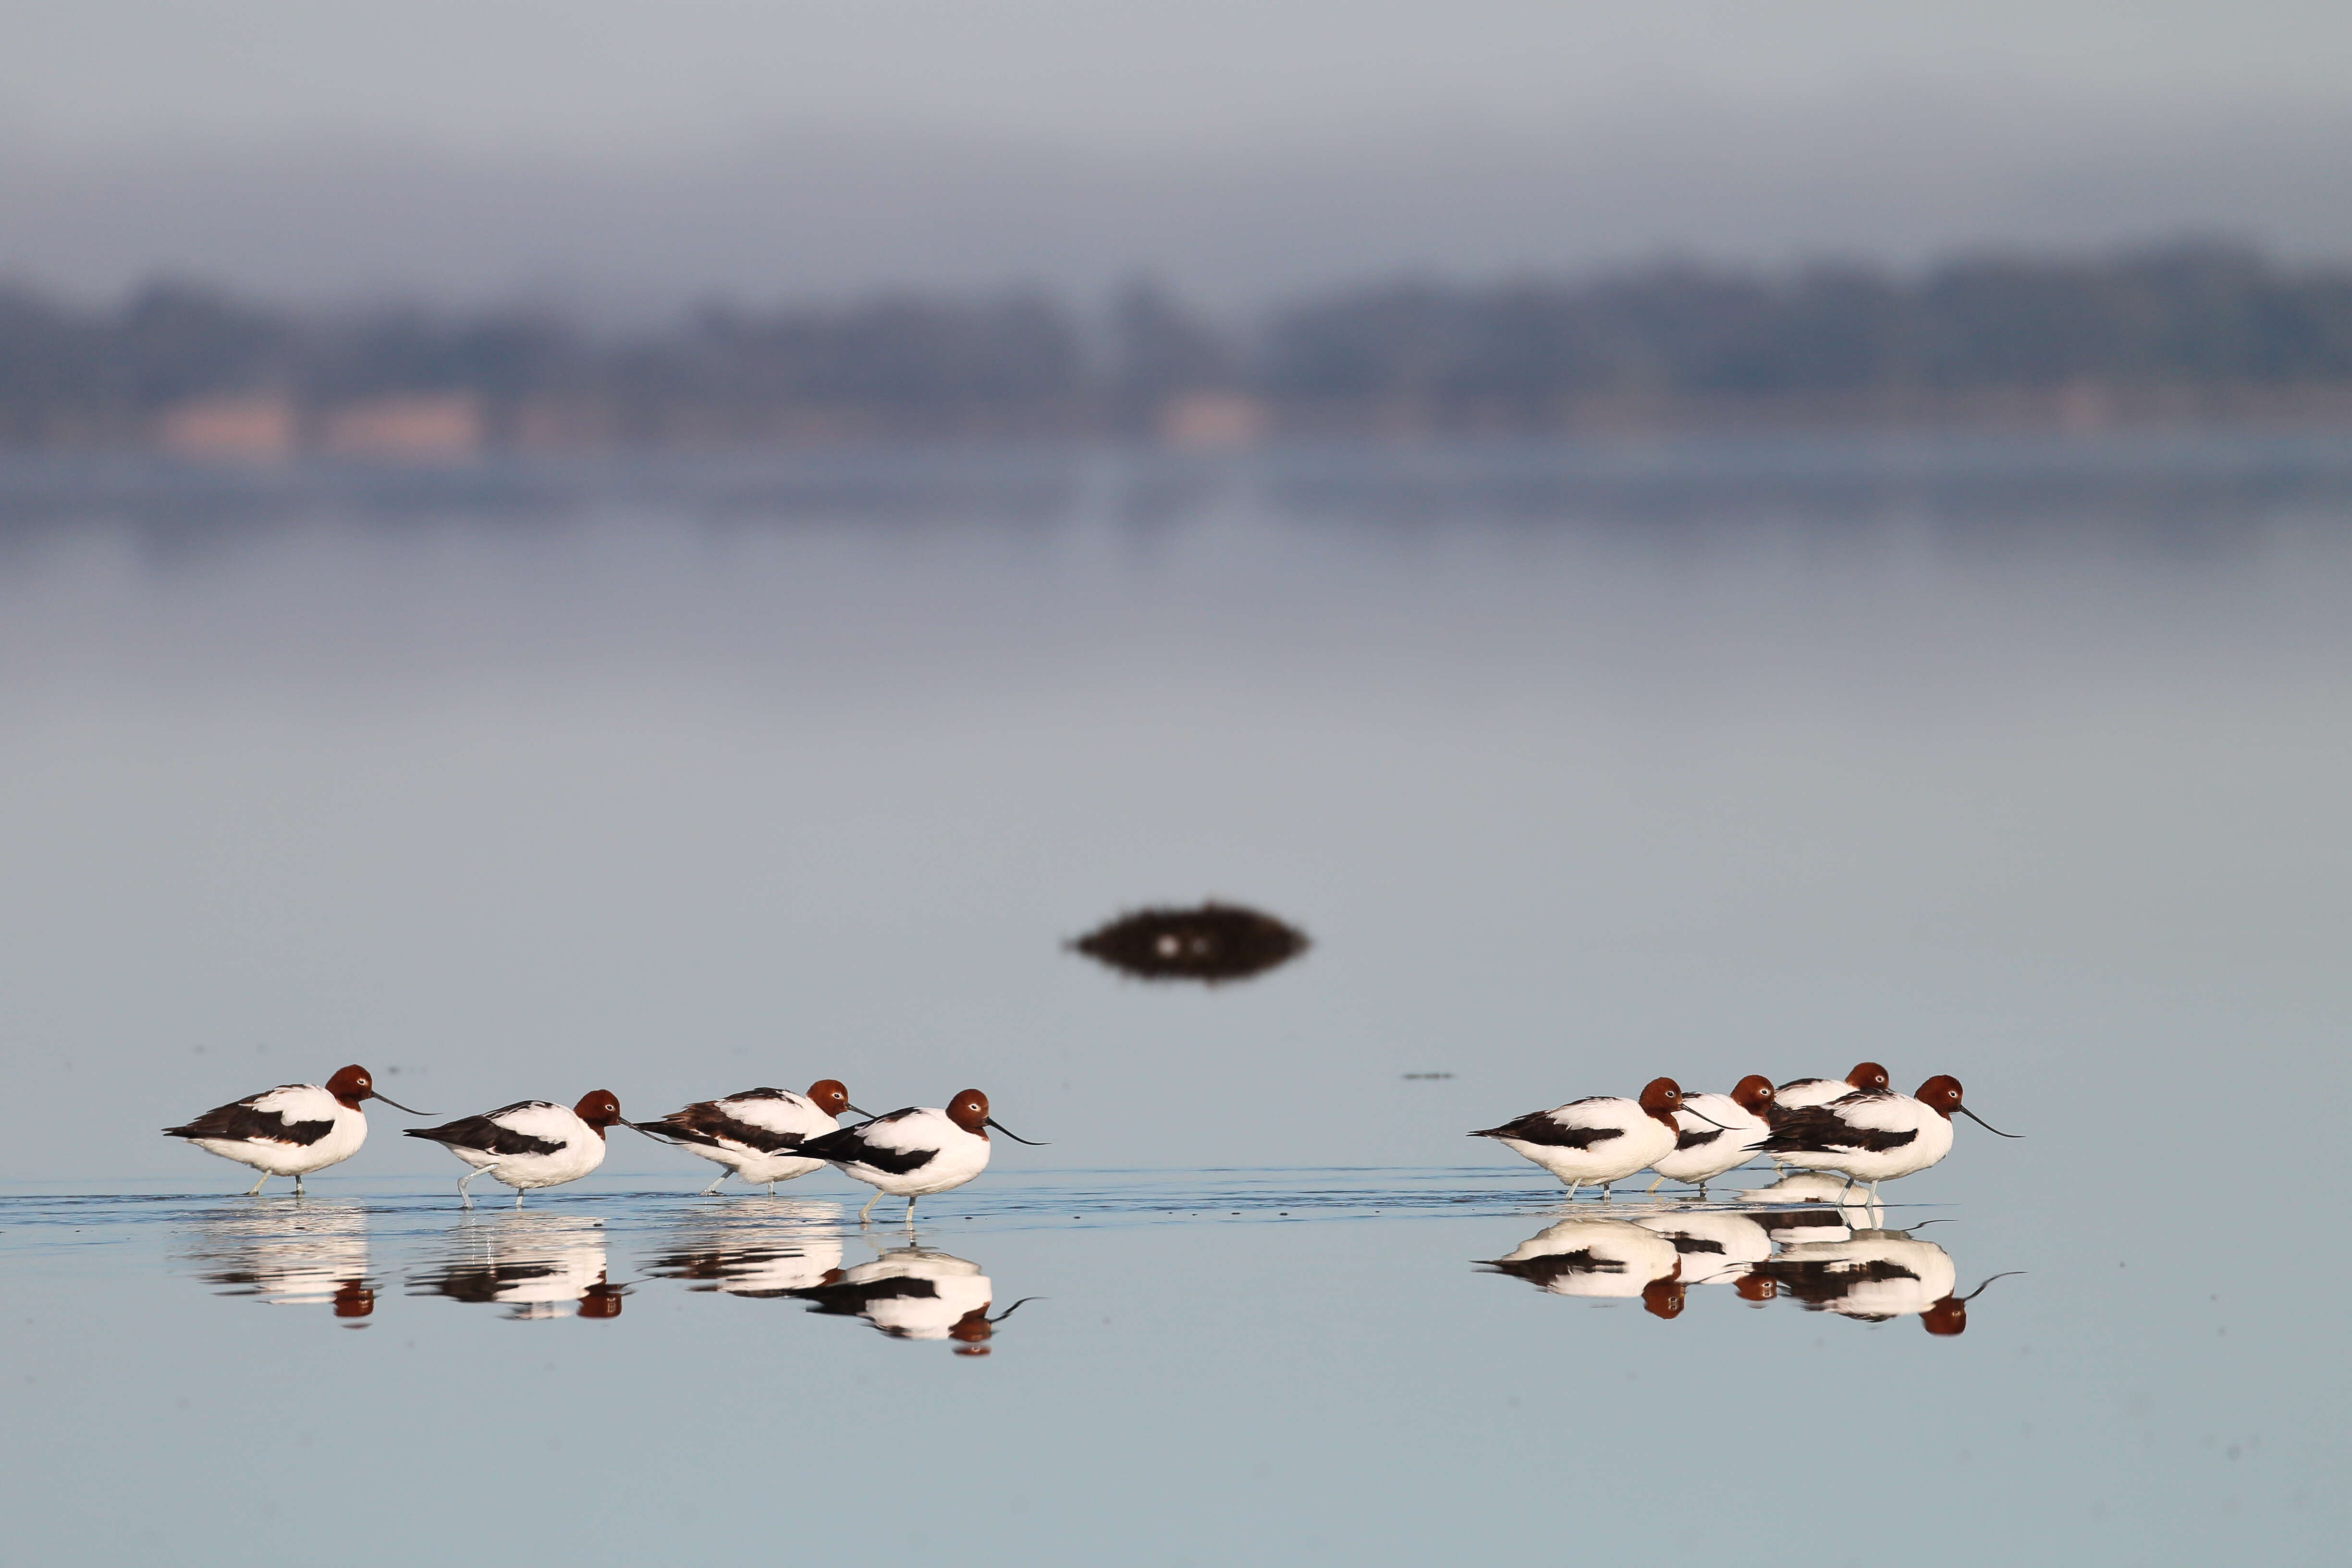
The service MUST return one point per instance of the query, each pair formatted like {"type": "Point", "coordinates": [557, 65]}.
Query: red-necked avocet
{"type": "Point", "coordinates": [1600, 1140]}
{"type": "Point", "coordinates": [292, 1129]}
{"type": "Point", "coordinates": [1799, 1092]}
{"type": "Point", "coordinates": [756, 1134]}
{"type": "Point", "coordinates": [1599, 1258]}
{"type": "Point", "coordinates": [915, 1293]}
{"type": "Point", "coordinates": [530, 1144]}
{"type": "Point", "coordinates": [1875, 1136]}
{"type": "Point", "coordinates": [1719, 1132]}
{"type": "Point", "coordinates": [914, 1152]}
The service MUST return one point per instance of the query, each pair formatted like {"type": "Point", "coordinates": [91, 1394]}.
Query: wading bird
{"type": "Point", "coordinates": [292, 1129]}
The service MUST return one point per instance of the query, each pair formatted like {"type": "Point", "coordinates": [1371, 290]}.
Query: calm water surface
{"type": "Point", "coordinates": [2023, 763]}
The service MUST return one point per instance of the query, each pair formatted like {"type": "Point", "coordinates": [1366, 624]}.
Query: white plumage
{"type": "Point", "coordinates": [913, 1152]}
{"type": "Point", "coordinates": [1603, 1140]}
{"type": "Point", "coordinates": [1874, 1137]}
{"type": "Point", "coordinates": [756, 1134]}
{"type": "Point", "coordinates": [1717, 1246]}
{"type": "Point", "coordinates": [1608, 1259]}
{"type": "Point", "coordinates": [532, 1144]}
{"type": "Point", "coordinates": [1718, 1132]}
{"type": "Point", "coordinates": [291, 1131]}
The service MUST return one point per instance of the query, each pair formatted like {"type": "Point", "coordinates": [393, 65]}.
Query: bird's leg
{"type": "Point", "coordinates": [869, 1206]}
{"type": "Point", "coordinates": [1604, 1190]}
{"type": "Point", "coordinates": [467, 1180]}
{"type": "Point", "coordinates": [910, 1213]}
{"type": "Point", "coordinates": [1654, 1186]}
{"type": "Point", "coordinates": [716, 1185]}
{"type": "Point", "coordinates": [256, 1186]}
{"type": "Point", "coordinates": [298, 1183]}
{"type": "Point", "coordinates": [1571, 1190]}
{"type": "Point", "coordinates": [519, 1191]}
{"type": "Point", "coordinates": [772, 1189]}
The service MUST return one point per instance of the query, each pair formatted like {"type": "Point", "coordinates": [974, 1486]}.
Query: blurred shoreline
{"type": "Point", "coordinates": [2190, 338]}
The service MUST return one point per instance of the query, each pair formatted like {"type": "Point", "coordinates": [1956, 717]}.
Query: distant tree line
{"type": "Point", "coordinates": [1527, 354]}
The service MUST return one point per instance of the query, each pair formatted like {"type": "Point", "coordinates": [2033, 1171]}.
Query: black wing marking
{"type": "Point", "coordinates": [1796, 1222]}
{"type": "Point", "coordinates": [843, 1299]}
{"type": "Point", "coordinates": [1538, 1127]}
{"type": "Point", "coordinates": [1698, 1138]}
{"type": "Point", "coordinates": [705, 1122]}
{"type": "Point", "coordinates": [1686, 1245]}
{"type": "Point", "coordinates": [850, 1146]}
{"type": "Point", "coordinates": [485, 1133]}
{"type": "Point", "coordinates": [239, 1121]}
{"type": "Point", "coordinates": [1818, 1282]}
{"type": "Point", "coordinates": [1818, 1129]}
{"type": "Point", "coordinates": [480, 1282]}
{"type": "Point", "coordinates": [1554, 1266]}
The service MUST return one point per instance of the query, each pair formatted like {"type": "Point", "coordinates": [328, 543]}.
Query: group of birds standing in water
{"type": "Point", "coordinates": [762, 1135]}
{"type": "Point", "coordinates": [1857, 1127]}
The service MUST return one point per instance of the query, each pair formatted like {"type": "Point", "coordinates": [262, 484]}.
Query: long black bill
{"type": "Point", "coordinates": [1980, 1290]}
{"type": "Point", "coordinates": [1026, 1300]}
{"type": "Point", "coordinates": [1702, 1115]}
{"type": "Point", "coordinates": [1988, 1126]}
{"type": "Point", "coordinates": [1016, 1137]}
{"type": "Point", "coordinates": [396, 1105]}
{"type": "Point", "coordinates": [858, 1109]}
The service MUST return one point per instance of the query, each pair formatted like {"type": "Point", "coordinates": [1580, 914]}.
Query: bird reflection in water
{"type": "Point", "coordinates": [541, 1266]}
{"type": "Point", "coordinates": [1874, 1276]}
{"type": "Point", "coordinates": [784, 1246]}
{"type": "Point", "coordinates": [915, 1293]}
{"type": "Point", "coordinates": [1819, 1256]}
{"type": "Point", "coordinates": [316, 1255]}
{"type": "Point", "coordinates": [1604, 1259]}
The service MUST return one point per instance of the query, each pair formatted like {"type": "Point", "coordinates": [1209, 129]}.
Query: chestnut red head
{"type": "Point", "coordinates": [1664, 1297]}
{"type": "Point", "coordinates": [599, 1108]}
{"type": "Point", "coordinates": [1754, 1289]}
{"type": "Point", "coordinates": [1867, 1076]}
{"type": "Point", "coordinates": [1951, 1315]}
{"type": "Point", "coordinates": [352, 1084]}
{"type": "Point", "coordinates": [1752, 1093]}
{"type": "Point", "coordinates": [969, 1111]}
{"type": "Point", "coordinates": [1941, 1094]}
{"type": "Point", "coordinates": [829, 1096]}
{"type": "Point", "coordinates": [1662, 1097]}
{"type": "Point", "coordinates": [972, 1331]}
{"type": "Point", "coordinates": [976, 1328]}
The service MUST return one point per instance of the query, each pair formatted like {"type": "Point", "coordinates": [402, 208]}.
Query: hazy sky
{"type": "Point", "coordinates": [629, 150]}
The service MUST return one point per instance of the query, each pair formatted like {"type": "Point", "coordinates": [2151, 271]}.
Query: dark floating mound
{"type": "Point", "coordinates": [1210, 943]}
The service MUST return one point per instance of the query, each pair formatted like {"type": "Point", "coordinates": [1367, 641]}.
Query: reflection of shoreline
{"type": "Point", "coordinates": [315, 1254]}
{"type": "Point", "coordinates": [1821, 1257]}
{"type": "Point", "coordinates": [541, 1266]}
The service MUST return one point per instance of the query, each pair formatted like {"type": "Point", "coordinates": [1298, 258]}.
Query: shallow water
{"type": "Point", "coordinates": [2020, 762]}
